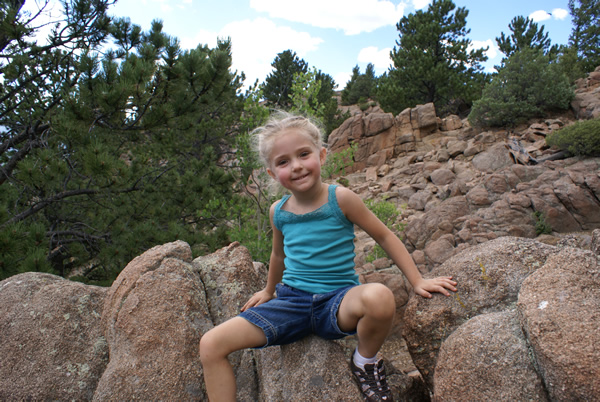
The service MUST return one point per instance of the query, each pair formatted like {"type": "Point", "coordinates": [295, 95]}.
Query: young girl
{"type": "Point", "coordinates": [312, 286]}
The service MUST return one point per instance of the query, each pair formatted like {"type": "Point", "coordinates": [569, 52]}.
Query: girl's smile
{"type": "Point", "coordinates": [296, 162]}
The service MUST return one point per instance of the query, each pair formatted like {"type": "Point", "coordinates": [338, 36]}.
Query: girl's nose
{"type": "Point", "coordinates": [296, 164]}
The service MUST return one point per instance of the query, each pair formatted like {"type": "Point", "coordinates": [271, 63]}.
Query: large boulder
{"type": "Point", "coordinates": [522, 326]}
{"type": "Point", "coordinates": [495, 158]}
{"type": "Point", "coordinates": [489, 277]}
{"type": "Point", "coordinates": [154, 315]}
{"type": "Point", "coordinates": [52, 345]}
{"type": "Point", "coordinates": [230, 279]}
{"type": "Point", "coordinates": [312, 369]}
{"type": "Point", "coordinates": [487, 359]}
{"type": "Point", "coordinates": [559, 309]}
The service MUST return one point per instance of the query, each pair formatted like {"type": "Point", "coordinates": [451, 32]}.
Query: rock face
{"type": "Point", "coordinates": [52, 344]}
{"type": "Point", "coordinates": [586, 105]}
{"type": "Point", "coordinates": [559, 309]}
{"type": "Point", "coordinates": [154, 315]}
{"type": "Point", "coordinates": [522, 326]}
{"type": "Point", "coordinates": [487, 359]}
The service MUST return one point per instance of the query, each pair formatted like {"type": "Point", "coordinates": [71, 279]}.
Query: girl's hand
{"type": "Point", "coordinates": [258, 298]}
{"type": "Point", "coordinates": [439, 284]}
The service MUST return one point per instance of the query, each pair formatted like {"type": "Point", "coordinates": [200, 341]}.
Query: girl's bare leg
{"type": "Point", "coordinates": [216, 345]}
{"type": "Point", "coordinates": [369, 309]}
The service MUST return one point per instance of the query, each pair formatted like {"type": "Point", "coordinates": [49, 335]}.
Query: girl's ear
{"type": "Point", "coordinates": [323, 155]}
{"type": "Point", "coordinates": [270, 172]}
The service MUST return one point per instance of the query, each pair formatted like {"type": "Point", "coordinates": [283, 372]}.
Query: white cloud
{"type": "Point", "coordinates": [380, 58]}
{"type": "Point", "coordinates": [560, 13]}
{"type": "Point", "coordinates": [540, 15]}
{"type": "Point", "coordinates": [420, 4]}
{"type": "Point", "coordinates": [341, 79]}
{"type": "Point", "coordinates": [351, 16]}
{"type": "Point", "coordinates": [492, 51]}
{"type": "Point", "coordinates": [256, 43]}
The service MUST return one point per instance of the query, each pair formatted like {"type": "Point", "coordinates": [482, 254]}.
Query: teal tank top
{"type": "Point", "coordinates": [318, 246]}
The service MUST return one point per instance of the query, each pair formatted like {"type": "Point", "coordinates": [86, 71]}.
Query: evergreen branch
{"type": "Point", "coordinates": [29, 133]}
{"type": "Point", "coordinates": [58, 197]}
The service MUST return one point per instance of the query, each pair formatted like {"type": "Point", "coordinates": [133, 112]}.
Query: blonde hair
{"type": "Point", "coordinates": [280, 121]}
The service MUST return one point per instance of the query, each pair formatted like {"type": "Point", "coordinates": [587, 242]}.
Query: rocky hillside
{"type": "Point", "coordinates": [459, 186]}
{"type": "Point", "coordinates": [522, 326]}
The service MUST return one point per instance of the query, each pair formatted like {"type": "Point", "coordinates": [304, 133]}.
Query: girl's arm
{"type": "Point", "coordinates": [357, 212]}
{"type": "Point", "coordinates": [276, 267]}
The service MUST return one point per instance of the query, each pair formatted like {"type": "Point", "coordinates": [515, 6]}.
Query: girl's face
{"type": "Point", "coordinates": [296, 161]}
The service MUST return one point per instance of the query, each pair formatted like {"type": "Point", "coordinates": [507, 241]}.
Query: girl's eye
{"type": "Point", "coordinates": [305, 153]}
{"type": "Point", "coordinates": [281, 162]}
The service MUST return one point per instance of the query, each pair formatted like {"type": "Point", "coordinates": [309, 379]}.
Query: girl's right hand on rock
{"type": "Point", "coordinates": [258, 298]}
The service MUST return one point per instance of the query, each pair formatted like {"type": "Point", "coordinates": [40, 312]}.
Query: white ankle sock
{"type": "Point", "coordinates": [360, 361]}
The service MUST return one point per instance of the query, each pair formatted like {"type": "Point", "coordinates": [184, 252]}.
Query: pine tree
{"type": "Point", "coordinates": [432, 61]}
{"type": "Point", "coordinates": [278, 84]}
{"type": "Point", "coordinates": [585, 35]}
{"type": "Point", "coordinates": [526, 34]}
{"type": "Point", "coordinates": [103, 158]}
{"type": "Point", "coordinates": [527, 85]}
{"type": "Point", "coordinates": [361, 86]}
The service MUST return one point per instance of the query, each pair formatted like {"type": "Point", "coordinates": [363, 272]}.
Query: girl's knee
{"type": "Point", "coordinates": [379, 300]}
{"type": "Point", "coordinates": [209, 346]}
{"type": "Point", "coordinates": [228, 337]}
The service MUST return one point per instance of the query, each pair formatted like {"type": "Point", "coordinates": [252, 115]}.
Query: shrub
{"type": "Point", "coordinates": [338, 162]}
{"type": "Point", "coordinates": [541, 225]}
{"type": "Point", "coordinates": [527, 85]}
{"type": "Point", "coordinates": [386, 212]}
{"type": "Point", "coordinates": [581, 138]}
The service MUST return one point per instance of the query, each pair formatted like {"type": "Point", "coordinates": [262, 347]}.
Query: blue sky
{"type": "Point", "coordinates": [331, 35]}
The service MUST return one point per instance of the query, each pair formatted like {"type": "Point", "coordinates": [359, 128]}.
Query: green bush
{"type": "Point", "coordinates": [581, 138]}
{"type": "Point", "coordinates": [387, 212]}
{"type": "Point", "coordinates": [541, 225]}
{"type": "Point", "coordinates": [338, 162]}
{"type": "Point", "coordinates": [527, 85]}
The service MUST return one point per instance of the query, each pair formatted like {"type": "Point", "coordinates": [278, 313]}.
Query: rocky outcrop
{"type": "Point", "coordinates": [52, 344]}
{"type": "Point", "coordinates": [487, 358]}
{"type": "Point", "coordinates": [586, 104]}
{"type": "Point", "coordinates": [458, 187]}
{"type": "Point", "coordinates": [138, 339]}
{"type": "Point", "coordinates": [381, 136]}
{"type": "Point", "coordinates": [522, 326]}
{"type": "Point", "coordinates": [154, 315]}
{"type": "Point", "coordinates": [518, 299]}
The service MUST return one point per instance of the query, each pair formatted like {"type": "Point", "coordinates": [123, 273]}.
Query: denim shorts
{"type": "Point", "coordinates": [294, 314]}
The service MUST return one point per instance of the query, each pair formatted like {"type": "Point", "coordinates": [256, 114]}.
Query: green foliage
{"type": "Point", "coordinates": [569, 63]}
{"type": "Point", "coordinates": [338, 162]}
{"type": "Point", "coordinates": [585, 34]}
{"type": "Point", "coordinates": [312, 95]}
{"type": "Point", "coordinates": [105, 157]}
{"type": "Point", "coordinates": [541, 225]}
{"type": "Point", "coordinates": [277, 88]}
{"type": "Point", "coordinates": [432, 62]}
{"type": "Point", "coordinates": [581, 138]}
{"type": "Point", "coordinates": [528, 85]}
{"type": "Point", "coordinates": [304, 95]}
{"type": "Point", "coordinates": [360, 86]}
{"type": "Point", "coordinates": [526, 34]}
{"type": "Point", "coordinates": [248, 211]}
{"type": "Point", "coordinates": [386, 212]}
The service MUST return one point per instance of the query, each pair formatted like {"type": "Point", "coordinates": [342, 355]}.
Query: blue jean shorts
{"type": "Point", "coordinates": [294, 314]}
